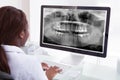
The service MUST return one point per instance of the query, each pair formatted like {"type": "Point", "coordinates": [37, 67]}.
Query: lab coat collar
{"type": "Point", "coordinates": [11, 48]}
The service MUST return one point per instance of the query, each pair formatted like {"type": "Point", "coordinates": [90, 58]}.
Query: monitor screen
{"type": "Point", "coordinates": [79, 29]}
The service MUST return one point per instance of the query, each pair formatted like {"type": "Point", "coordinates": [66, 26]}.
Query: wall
{"type": "Point", "coordinates": [15, 3]}
{"type": "Point", "coordinates": [20, 4]}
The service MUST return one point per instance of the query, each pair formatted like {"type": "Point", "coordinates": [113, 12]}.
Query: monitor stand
{"type": "Point", "coordinates": [72, 59]}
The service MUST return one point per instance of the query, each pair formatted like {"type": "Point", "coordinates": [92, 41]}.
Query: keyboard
{"type": "Point", "coordinates": [84, 77]}
{"type": "Point", "coordinates": [62, 66]}
{"type": "Point", "coordinates": [68, 75]}
{"type": "Point", "coordinates": [73, 75]}
{"type": "Point", "coordinates": [69, 72]}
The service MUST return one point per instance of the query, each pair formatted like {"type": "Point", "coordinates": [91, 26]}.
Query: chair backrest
{"type": "Point", "coordinates": [5, 76]}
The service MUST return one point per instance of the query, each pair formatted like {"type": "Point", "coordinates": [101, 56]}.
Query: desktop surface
{"type": "Point", "coordinates": [84, 71]}
{"type": "Point", "coordinates": [90, 71]}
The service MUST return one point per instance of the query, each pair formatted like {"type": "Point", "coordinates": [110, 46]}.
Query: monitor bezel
{"type": "Point", "coordinates": [104, 54]}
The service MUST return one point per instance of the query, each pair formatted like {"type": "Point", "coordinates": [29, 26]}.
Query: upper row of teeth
{"type": "Point", "coordinates": [80, 28]}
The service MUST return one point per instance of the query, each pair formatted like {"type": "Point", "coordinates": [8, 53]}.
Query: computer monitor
{"type": "Point", "coordinates": [78, 29]}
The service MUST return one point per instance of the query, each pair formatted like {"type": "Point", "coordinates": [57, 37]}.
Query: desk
{"type": "Point", "coordinates": [88, 71]}
{"type": "Point", "coordinates": [100, 72]}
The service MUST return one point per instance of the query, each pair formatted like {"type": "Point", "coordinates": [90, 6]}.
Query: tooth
{"type": "Point", "coordinates": [79, 28]}
{"type": "Point", "coordinates": [81, 35]}
{"type": "Point", "coordinates": [65, 27]}
{"type": "Point", "coordinates": [82, 30]}
{"type": "Point", "coordinates": [61, 26]}
{"type": "Point", "coordinates": [57, 26]}
{"type": "Point", "coordinates": [59, 33]}
{"type": "Point", "coordinates": [85, 29]}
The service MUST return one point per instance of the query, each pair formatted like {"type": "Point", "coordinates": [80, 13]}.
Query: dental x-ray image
{"type": "Point", "coordinates": [74, 28]}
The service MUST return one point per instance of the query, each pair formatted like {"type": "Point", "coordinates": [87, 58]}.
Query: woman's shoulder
{"type": "Point", "coordinates": [23, 60]}
{"type": "Point", "coordinates": [28, 68]}
{"type": "Point", "coordinates": [16, 53]}
{"type": "Point", "coordinates": [17, 58]}
{"type": "Point", "coordinates": [25, 67]}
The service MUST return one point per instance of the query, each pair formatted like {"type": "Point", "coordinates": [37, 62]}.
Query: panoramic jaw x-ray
{"type": "Point", "coordinates": [76, 28]}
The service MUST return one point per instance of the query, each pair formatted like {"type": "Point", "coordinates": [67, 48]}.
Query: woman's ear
{"type": "Point", "coordinates": [22, 35]}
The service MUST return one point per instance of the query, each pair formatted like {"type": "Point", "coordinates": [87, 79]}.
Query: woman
{"type": "Point", "coordinates": [13, 34]}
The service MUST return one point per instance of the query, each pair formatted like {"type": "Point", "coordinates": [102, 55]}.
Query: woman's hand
{"type": "Point", "coordinates": [44, 66]}
{"type": "Point", "coordinates": [52, 71]}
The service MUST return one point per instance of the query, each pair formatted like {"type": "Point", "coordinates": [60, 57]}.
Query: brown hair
{"type": "Point", "coordinates": [12, 22]}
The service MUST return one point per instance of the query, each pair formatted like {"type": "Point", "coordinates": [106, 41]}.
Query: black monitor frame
{"type": "Point", "coordinates": [72, 49]}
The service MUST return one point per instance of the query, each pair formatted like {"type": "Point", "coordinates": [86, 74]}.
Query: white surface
{"type": "Point", "coordinates": [86, 70]}
{"type": "Point", "coordinates": [101, 72]}
{"type": "Point", "coordinates": [15, 3]}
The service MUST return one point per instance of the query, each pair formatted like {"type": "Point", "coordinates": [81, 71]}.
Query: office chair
{"type": "Point", "coordinates": [5, 76]}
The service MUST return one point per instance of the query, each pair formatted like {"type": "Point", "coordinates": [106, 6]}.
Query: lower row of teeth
{"type": "Point", "coordinates": [60, 34]}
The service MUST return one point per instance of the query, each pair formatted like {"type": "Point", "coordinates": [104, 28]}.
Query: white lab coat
{"type": "Point", "coordinates": [23, 66]}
